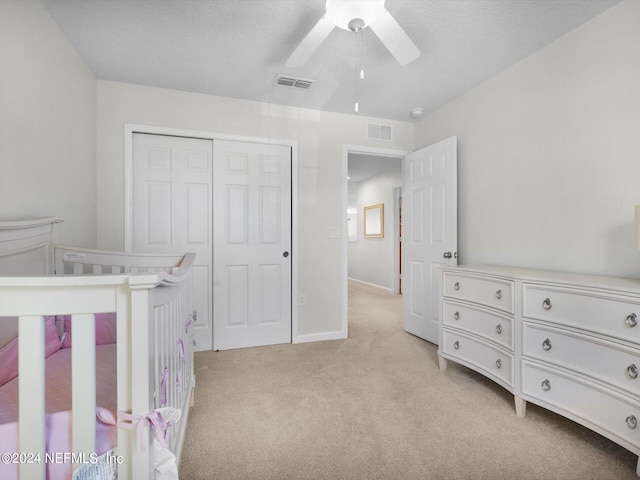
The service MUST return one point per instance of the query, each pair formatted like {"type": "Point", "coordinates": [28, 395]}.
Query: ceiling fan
{"type": "Point", "coordinates": [356, 15]}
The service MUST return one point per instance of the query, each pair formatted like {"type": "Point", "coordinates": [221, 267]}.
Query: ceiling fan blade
{"type": "Point", "coordinates": [395, 39]}
{"type": "Point", "coordinates": [310, 43]}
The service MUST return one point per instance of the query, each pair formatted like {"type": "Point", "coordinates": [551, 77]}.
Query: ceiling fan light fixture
{"type": "Point", "coordinates": [360, 14]}
{"type": "Point", "coordinates": [342, 12]}
{"type": "Point", "coordinates": [356, 25]}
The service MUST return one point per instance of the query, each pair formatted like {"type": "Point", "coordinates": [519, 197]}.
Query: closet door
{"type": "Point", "coordinates": [171, 210]}
{"type": "Point", "coordinates": [252, 238]}
{"type": "Point", "coordinates": [429, 232]}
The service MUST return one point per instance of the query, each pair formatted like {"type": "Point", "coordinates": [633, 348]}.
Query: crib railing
{"type": "Point", "coordinates": [79, 261]}
{"type": "Point", "coordinates": [153, 312]}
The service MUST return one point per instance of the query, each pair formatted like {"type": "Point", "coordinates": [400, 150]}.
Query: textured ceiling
{"type": "Point", "coordinates": [236, 48]}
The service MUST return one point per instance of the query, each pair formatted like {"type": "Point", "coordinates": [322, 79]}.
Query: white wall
{"type": "Point", "coordinates": [47, 124]}
{"type": "Point", "coordinates": [371, 259]}
{"type": "Point", "coordinates": [320, 138]}
{"type": "Point", "coordinates": [549, 153]}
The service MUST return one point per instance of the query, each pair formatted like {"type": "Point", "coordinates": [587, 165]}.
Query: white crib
{"type": "Point", "coordinates": [151, 296]}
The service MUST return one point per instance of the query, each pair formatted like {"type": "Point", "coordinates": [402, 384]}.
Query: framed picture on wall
{"type": "Point", "coordinates": [374, 221]}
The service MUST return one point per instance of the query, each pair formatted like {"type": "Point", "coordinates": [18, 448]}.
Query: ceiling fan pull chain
{"type": "Point", "coordinates": [357, 29]}
{"type": "Point", "coordinates": [361, 57]}
{"type": "Point", "coordinates": [356, 106]}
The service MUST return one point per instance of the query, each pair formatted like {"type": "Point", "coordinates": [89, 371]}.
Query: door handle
{"type": "Point", "coordinates": [447, 255]}
{"type": "Point", "coordinates": [285, 254]}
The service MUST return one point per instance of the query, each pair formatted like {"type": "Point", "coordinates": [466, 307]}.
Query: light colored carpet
{"type": "Point", "coordinates": [375, 406]}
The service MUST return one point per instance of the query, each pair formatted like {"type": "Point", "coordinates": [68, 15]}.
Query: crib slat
{"type": "Point", "coordinates": [125, 443]}
{"type": "Point", "coordinates": [142, 379]}
{"type": "Point", "coordinates": [83, 383]}
{"type": "Point", "coordinates": [31, 382]}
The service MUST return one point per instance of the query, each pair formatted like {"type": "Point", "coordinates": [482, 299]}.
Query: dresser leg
{"type": "Point", "coordinates": [442, 363]}
{"type": "Point", "coordinates": [638, 468]}
{"type": "Point", "coordinates": [521, 406]}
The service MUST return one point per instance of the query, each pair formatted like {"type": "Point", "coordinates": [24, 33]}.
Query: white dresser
{"type": "Point", "coordinates": [569, 343]}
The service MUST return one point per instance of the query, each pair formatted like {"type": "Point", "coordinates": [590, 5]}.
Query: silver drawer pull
{"type": "Point", "coordinates": [632, 422]}
{"type": "Point", "coordinates": [456, 345]}
{"type": "Point", "coordinates": [545, 385]}
{"type": "Point", "coordinates": [456, 315]}
{"type": "Point", "coordinates": [499, 294]}
{"type": "Point", "coordinates": [546, 304]}
{"type": "Point", "coordinates": [498, 363]}
{"type": "Point", "coordinates": [499, 329]}
{"type": "Point", "coordinates": [456, 286]}
{"type": "Point", "coordinates": [632, 371]}
{"type": "Point", "coordinates": [546, 345]}
{"type": "Point", "coordinates": [631, 320]}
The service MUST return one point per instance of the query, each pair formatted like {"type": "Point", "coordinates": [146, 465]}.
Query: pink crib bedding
{"type": "Point", "coordinates": [58, 408]}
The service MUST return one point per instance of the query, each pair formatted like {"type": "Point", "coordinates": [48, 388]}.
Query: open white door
{"type": "Point", "coordinates": [429, 232]}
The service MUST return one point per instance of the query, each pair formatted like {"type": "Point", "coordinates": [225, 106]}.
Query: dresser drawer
{"type": "Point", "coordinates": [591, 356]}
{"type": "Point", "coordinates": [488, 291]}
{"type": "Point", "coordinates": [612, 413]}
{"type": "Point", "coordinates": [487, 323]}
{"type": "Point", "coordinates": [583, 309]}
{"type": "Point", "coordinates": [479, 355]}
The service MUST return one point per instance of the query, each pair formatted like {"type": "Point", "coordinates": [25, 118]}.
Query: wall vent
{"type": "Point", "coordinates": [379, 132]}
{"type": "Point", "coordinates": [286, 81]}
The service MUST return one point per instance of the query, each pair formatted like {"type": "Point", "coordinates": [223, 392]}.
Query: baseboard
{"type": "Point", "coordinates": [320, 337]}
{"type": "Point", "coordinates": [386, 289]}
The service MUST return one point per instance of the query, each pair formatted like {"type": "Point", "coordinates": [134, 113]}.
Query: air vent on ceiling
{"type": "Point", "coordinates": [286, 81]}
{"type": "Point", "coordinates": [379, 132]}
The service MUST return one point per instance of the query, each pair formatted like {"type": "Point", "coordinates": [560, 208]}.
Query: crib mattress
{"type": "Point", "coordinates": [58, 409]}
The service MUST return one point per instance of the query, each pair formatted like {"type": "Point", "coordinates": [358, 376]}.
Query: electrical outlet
{"type": "Point", "coordinates": [301, 300]}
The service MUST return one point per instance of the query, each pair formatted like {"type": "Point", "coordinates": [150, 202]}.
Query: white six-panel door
{"type": "Point", "coordinates": [171, 210]}
{"type": "Point", "coordinates": [252, 237]}
{"type": "Point", "coordinates": [429, 232]}
{"type": "Point", "coordinates": [230, 202]}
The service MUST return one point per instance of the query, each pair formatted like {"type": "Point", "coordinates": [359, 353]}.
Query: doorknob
{"type": "Point", "coordinates": [285, 254]}
{"type": "Point", "coordinates": [446, 254]}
